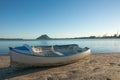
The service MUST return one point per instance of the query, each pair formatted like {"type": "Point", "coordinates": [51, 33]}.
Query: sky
{"type": "Point", "coordinates": [29, 19]}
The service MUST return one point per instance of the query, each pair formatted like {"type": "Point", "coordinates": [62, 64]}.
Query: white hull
{"type": "Point", "coordinates": [44, 61]}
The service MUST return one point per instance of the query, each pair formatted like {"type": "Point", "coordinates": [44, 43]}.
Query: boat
{"type": "Point", "coordinates": [26, 55]}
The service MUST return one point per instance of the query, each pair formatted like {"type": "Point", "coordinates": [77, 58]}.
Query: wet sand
{"type": "Point", "coordinates": [94, 67]}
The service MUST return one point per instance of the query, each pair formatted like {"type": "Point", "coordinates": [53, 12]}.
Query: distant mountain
{"type": "Point", "coordinates": [44, 37]}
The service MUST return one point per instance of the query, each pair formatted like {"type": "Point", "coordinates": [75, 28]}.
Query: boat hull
{"type": "Point", "coordinates": [22, 61]}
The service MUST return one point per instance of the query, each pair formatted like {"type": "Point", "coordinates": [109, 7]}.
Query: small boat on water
{"type": "Point", "coordinates": [25, 56]}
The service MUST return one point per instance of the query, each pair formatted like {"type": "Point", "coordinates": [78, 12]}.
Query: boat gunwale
{"type": "Point", "coordinates": [18, 52]}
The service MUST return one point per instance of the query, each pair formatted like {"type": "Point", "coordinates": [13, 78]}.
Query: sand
{"type": "Point", "coordinates": [94, 67]}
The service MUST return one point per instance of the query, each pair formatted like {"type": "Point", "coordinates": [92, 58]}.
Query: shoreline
{"type": "Point", "coordinates": [94, 67]}
{"type": "Point", "coordinates": [22, 39]}
{"type": "Point", "coordinates": [90, 54]}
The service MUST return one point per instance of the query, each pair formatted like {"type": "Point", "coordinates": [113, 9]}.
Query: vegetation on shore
{"type": "Point", "coordinates": [106, 36]}
{"type": "Point", "coordinates": [90, 37]}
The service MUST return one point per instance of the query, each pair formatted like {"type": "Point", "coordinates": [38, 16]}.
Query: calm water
{"type": "Point", "coordinates": [96, 45]}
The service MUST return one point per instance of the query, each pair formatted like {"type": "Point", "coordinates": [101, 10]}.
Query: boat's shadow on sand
{"type": "Point", "coordinates": [8, 72]}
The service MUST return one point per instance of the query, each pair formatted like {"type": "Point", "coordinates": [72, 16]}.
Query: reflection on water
{"type": "Point", "coordinates": [44, 42]}
{"type": "Point", "coordinates": [96, 45]}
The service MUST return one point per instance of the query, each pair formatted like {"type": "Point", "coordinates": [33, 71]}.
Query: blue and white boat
{"type": "Point", "coordinates": [24, 56]}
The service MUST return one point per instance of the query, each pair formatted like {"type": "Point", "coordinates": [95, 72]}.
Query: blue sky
{"type": "Point", "coordinates": [58, 18]}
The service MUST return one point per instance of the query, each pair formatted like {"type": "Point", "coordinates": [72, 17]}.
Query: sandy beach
{"type": "Point", "coordinates": [94, 67]}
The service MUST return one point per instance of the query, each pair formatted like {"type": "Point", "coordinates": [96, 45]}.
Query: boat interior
{"type": "Point", "coordinates": [56, 50]}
